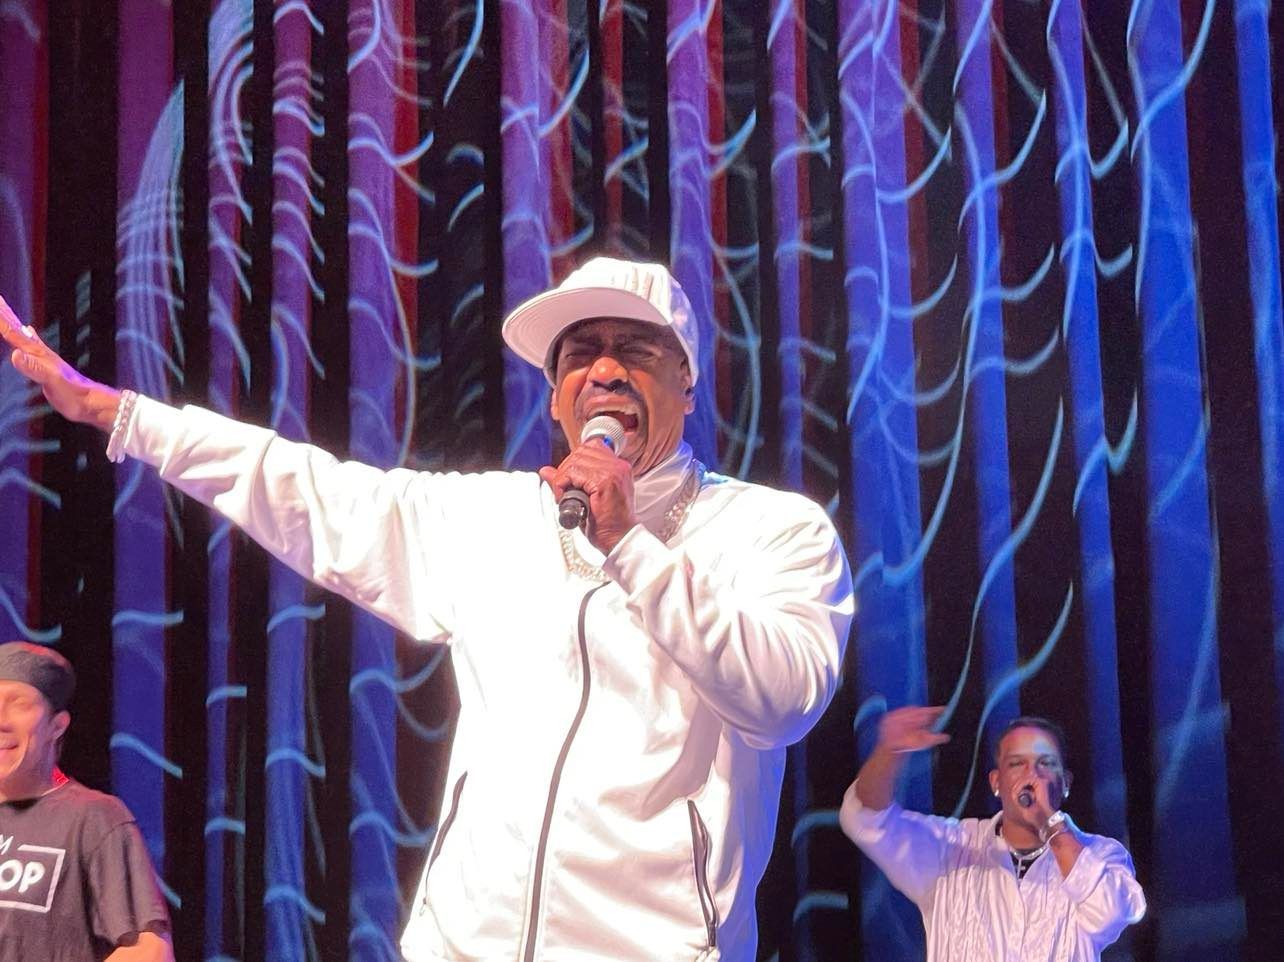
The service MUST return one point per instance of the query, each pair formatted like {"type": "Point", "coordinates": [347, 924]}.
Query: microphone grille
{"type": "Point", "coordinates": [605, 427]}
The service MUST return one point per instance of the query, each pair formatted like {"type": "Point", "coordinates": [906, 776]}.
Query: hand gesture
{"type": "Point", "coordinates": [608, 482]}
{"type": "Point", "coordinates": [910, 729]}
{"type": "Point", "coordinates": [1047, 794]}
{"type": "Point", "coordinates": [900, 731]}
{"type": "Point", "coordinates": [72, 395]}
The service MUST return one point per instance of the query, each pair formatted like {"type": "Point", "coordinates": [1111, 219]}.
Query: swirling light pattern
{"type": "Point", "coordinates": [948, 263]}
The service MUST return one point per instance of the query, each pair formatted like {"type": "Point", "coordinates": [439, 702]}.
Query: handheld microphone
{"type": "Point", "coordinates": [1025, 797]}
{"type": "Point", "coordinates": [573, 505]}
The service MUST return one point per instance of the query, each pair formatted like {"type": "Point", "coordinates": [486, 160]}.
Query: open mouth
{"type": "Point", "coordinates": [628, 421]}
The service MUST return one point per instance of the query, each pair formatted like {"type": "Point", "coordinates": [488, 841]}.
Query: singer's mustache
{"type": "Point", "coordinates": [619, 390]}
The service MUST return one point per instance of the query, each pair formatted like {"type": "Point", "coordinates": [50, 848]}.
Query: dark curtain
{"type": "Point", "coordinates": [995, 281]}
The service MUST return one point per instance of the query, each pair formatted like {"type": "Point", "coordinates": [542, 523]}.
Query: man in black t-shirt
{"type": "Point", "coordinates": [75, 880]}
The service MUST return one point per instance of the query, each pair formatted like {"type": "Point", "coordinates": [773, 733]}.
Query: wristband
{"type": "Point", "coordinates": [1055, 825]}
{"type": "Point", "coordinates": [120, 426]}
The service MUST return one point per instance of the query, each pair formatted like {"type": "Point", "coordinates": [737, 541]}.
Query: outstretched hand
{"type": "Point", "coordinates": [71, 394]}
{"type": "Point", "coordinates": [910, 729]}
{"type": "Point", "coordinates": [900, 732]}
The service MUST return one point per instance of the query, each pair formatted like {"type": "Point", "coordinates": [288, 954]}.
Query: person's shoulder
{"type": "Point", "coordinates": [784, 506]}
{"type": "Point", "coordinates": [1103, 845]}
{"type": "Point", "coordinates": [99, 810]}
{"type": "Point", "coordinates": [958, 833]}
{"type": "Point", "coordinates": [977, 830]}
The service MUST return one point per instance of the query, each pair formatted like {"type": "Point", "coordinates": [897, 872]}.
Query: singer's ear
{"type": "Point", "coordinates": [994, 781]}
{"type": "Point", "coordinates": [1068, 777]}
{"type": "Point", "coordinates": [688, 388]}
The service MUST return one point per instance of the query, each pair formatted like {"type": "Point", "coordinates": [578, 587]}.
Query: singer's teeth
{"type": "Point", "coordinates": [628, 421]}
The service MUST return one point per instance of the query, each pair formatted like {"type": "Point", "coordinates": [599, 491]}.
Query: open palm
{"type": "Point", "coordinates": [71, 394]}
{"type": "Point", "coordinates": [911, 729]}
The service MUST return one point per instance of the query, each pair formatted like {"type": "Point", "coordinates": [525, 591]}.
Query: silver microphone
{"type": "Point", "coordinates": [573, 505]}
{"type": "Point", "coordinates": [1025, 797]}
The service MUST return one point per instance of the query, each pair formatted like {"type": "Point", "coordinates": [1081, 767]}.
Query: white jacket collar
{"type": "Point", "coordinates": [653, 492]}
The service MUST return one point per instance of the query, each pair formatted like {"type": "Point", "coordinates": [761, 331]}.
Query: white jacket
{"type": "Point", "coordinates": [616, 768]}
{"type": "Point", "coordinates": [960, 875]}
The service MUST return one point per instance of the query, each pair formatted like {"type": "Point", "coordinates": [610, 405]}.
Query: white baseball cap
{"type": "Point", "coordinates": [602, 287]}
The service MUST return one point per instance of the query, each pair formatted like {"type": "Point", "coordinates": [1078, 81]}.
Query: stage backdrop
{"type": "Point", "coordinates": [998, 282]}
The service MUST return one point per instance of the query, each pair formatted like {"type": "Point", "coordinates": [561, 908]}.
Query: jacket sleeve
{"type": "Point", "coordinates": [378, 538]}
{"type": "Point", "coordinates": [1104, 890]}
{"type": "Point", "coordinates": [761, 632]}
{"type": "Point", "coordinates": [908, 847]}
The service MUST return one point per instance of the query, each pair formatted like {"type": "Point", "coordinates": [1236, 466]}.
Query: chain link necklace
{"type": "Point", "coordinates": [673, 519]}
{"type": "Point", "coordinates": [1024, 861]}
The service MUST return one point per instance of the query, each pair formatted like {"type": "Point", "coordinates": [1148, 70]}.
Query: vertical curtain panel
{"type": "Point", "coordinates": [997, 283]}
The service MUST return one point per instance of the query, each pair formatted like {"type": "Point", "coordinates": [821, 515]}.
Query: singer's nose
{"type": "Point", "coordinates": [609, 373]}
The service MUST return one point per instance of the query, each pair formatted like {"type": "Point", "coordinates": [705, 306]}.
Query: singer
{"type": "Point", "coordinates": [1026, 884]}
{"type": "Point", "coordinates": [627, 687]}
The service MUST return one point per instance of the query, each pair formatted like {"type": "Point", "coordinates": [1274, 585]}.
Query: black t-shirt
{"type": "Point", "coordinates": [75, 879]}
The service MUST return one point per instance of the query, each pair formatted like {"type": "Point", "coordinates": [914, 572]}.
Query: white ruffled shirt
{"type": "Point", "coordinates": [959, 873]}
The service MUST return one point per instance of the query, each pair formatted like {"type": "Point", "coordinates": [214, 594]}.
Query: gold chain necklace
{"type": "Point", "coordinates": [673, 519]}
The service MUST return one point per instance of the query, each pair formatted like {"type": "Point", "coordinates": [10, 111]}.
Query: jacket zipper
{"type": "Point", "coordinates": [700, 859]}
{"type": "Point", "coordinates": [537, 877]}
{"type": "Point", "coordinates": [440, 839]}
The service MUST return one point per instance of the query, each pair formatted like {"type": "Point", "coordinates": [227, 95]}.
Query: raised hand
{"type": "Point", "coordinates": [910, 729]}
{"type": "Point", "coordinates": [900, 732]}
{"type": "Point", "coordinates": [71, 394]}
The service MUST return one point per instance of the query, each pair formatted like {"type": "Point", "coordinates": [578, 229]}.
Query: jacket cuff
{"type": "Point", "coordinates": [152, 424]}
{"type": "Point", "coordinates": [637, 559]}
{"type": "Point", "coordinates": [1084, 875]}
{"type": "Point", "coordinates": [858, 820]}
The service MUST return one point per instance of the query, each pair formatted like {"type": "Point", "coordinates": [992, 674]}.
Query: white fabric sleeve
{"type": "Point", "coordinates": [760, 634]}
{"type": "Point", "coordinates": [378, 538]}
{"type": "Point", "coordinates": [908, 847]}
{"type": "Point", "coordinates": [1104, 890]}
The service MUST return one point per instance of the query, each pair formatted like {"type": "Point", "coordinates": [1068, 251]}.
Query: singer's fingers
{"type": "Point", "coordinates": [592, 454]}
{"type": "Point", "coordinates": [1043, 792]}
{"type": "Point", "coordinates": [918, 711]}
{"type": "Point", "coordinates": [7, 315]}
{"type": "Point", "coordinates": [29, 366]}
{"type": "Point", "coordinates": [12, 330]}
{"type": "Point", "coordinates": [921, 743]}
{"type": "Point", "coordinates": [931, 739]}
{"type": "Point", "coordinates": [912, 718]}
{"type": "Point", "coordinates": [592, 467]}
{"type": "Point", "coordinates": [21, 337]}
{"type": "Point", "coordinates": [549, 475]}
